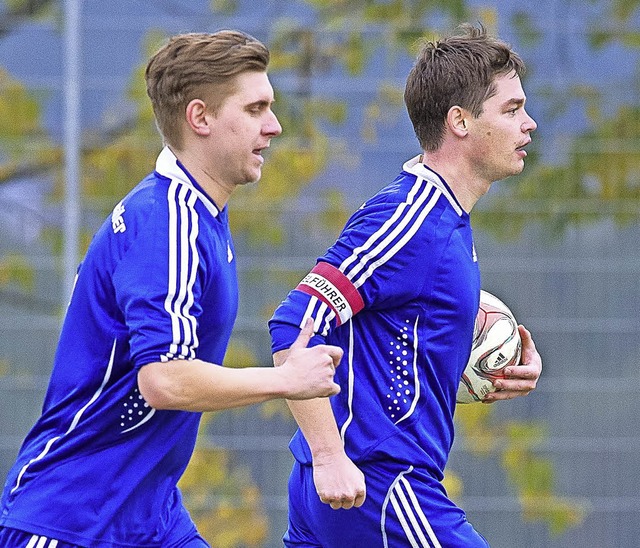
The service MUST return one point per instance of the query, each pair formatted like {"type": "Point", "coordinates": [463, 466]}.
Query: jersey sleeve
{"type": "Point", "coordinates": [325, 295]}
{"type": "Point", "coordinates": [156, 282]}
{"type": "Point", "coordinates": [377, 262]}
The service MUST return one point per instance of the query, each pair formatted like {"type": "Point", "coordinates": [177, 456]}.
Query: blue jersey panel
{"type": "Point", "coordinates": [158, 283]}
{"type": "Point", "coordinates": [399, 292]}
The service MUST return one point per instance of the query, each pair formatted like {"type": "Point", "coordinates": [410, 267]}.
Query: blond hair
{"type": "Point", "coordinates": [198, 66]}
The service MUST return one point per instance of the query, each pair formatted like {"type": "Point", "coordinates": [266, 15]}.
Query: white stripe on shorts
{"type": "Point", "coordinates": [36, 541]}
{"type": "Point", "coordinates": [415, 524]}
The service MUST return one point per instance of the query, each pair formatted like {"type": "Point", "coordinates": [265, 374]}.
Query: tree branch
{"type": "Point", "coordinates": [94, 141]}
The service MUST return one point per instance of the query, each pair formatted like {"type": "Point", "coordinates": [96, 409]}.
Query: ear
{"type": "Point", "coordinates": [457, 121]}
{"type": "Point", "coordinates": [197, 117]}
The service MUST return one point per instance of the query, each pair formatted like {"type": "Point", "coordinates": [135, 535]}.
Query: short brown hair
{"type": "Point", "coordinates": [198, 66]}
{"type": "Point", "coordinates": [455, 70]}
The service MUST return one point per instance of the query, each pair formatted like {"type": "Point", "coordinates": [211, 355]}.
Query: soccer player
{"type": "Point", "coordinates": [150, 316]}
{"type": "Point", "coordinates": [399, 292]}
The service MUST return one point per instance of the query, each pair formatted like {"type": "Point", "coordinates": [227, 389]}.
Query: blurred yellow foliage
{"type": "Point", "coordinates": [239, 354]}
{"type": "Point", "coordinates": [15, 269]}
{"type": "Point", "coordinates": [5, 368]}
{"type": "Point", "coordinates": [531, 475]}
{"type": "Point", "coordinates": [224, 503]}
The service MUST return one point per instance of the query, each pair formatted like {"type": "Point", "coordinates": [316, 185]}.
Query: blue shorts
{"type": "Point", "coordinates": [403, 508]}
{"type": "Point", "coordinates": [13, 538]}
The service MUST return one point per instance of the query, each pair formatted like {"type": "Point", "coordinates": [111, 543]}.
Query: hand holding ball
{"type": "Point", "coordinates": [496, 345]}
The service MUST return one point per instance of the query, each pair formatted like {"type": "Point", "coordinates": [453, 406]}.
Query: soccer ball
{"type": "Point", "coordinates": [496, 345]}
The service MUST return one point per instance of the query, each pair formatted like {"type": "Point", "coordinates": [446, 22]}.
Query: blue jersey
{"type": "Point", "coordinates": [158, 283]}
{"type": "Point", "coordinates": [399, 292]}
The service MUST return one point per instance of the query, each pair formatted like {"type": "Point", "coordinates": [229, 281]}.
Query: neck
{"type": "Point", "coordinates": [466, 185]}
{"type": "Point", "coordinates": [216, 189]}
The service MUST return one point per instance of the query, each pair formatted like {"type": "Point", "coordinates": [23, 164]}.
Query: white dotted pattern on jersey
{"type": "Point", "coordinates": [135, 411]}
{"type": "Point", "coordinates": [401, 391]}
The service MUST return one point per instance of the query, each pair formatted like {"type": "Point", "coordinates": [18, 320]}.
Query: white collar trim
{"type": "Point", "coordinates": [167, 166]}
{"type": "Point", "coordinates": [417, 168]}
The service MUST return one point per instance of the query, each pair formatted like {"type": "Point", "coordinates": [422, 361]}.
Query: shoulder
{"type": "Point", "coordinates": [143, 201]}
{"type": "Point", "coordinates": [408, 205]}
{"type": "Point", "coordinates": [162, 202]}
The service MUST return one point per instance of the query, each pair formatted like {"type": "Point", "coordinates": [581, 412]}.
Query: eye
{"type": "Point", "coordinates": [257, 108]}
{"type": "Point", "coordinates": [515, 107]}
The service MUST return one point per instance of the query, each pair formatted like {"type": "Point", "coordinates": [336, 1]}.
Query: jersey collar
{"type": "Point", "coordinates": [170, 167]}
{"type": "Point", "coordinates": [417, 168]}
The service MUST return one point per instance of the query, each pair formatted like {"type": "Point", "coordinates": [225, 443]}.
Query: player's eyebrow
{"type": "Point", "coordinates": [261, 103]}
{"type": "Point", "coordinates": [514, 102]}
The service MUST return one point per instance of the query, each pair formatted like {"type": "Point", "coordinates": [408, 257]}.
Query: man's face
{"type": "Point", "coordinates": [242, 128]}
{"type": "Point", "coordinates": [500, 133]}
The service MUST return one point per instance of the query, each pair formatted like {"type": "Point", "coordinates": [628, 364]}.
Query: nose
{"type": "Point", "coordinates": [529, 124]}
{"type": "Point", "coordinates": [272, 126]}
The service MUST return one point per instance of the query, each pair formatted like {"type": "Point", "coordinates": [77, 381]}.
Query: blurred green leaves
{"type": "Point", "coordinates": [518, 445]}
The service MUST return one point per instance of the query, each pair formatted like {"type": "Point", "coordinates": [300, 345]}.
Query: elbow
{"type": "Point", "coordinates": [156, 387]}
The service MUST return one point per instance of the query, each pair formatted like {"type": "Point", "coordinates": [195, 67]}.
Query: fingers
{"type": "Point", "coordinates": [346, 502]}
{"type": "Point", "coordinates": [332, 354]}
{"type": "Point", "coordinates": [519, 381]}
{"type": "Point", "coordinates": [333, 389]}
{"type": "Point", "coordinates": [304, 336]}
{"type": "Point", "coordinates": [524, 372]}
{"type": "Point", "coordinates": [530, 367]}
{"type": "Point", "coordinates": [335, 353]}
{"type": "Point", "coordinates": [504, 395]}
{"type": "Point", "coordinates": [528, 346]}
{"type": "Point", "coordinates": [524, 333]}
{"type": "Point", "coordinates": [339, 482]}
{"type": "Point", "coordinates": [327, 354]}
{"type": "Point", "coordinates": [313, 367]}
{"type": "Point", "coordinates": [523, 378]}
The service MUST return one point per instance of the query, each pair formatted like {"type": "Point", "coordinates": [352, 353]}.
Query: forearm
{"type": "Point", "coordinates": [337, 479]}
{"type": "Point", "coordinates": [195, 385]}
{"type": "Point", "coordinates": [316, 421]}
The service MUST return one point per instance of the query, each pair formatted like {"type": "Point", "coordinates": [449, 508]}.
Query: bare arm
{"type": "Point", "coordinates": [195, 385]}
{"type": "Point", "coordinates": [520, 379]}
{"type": "Point", "coordinates": [338, 480]}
